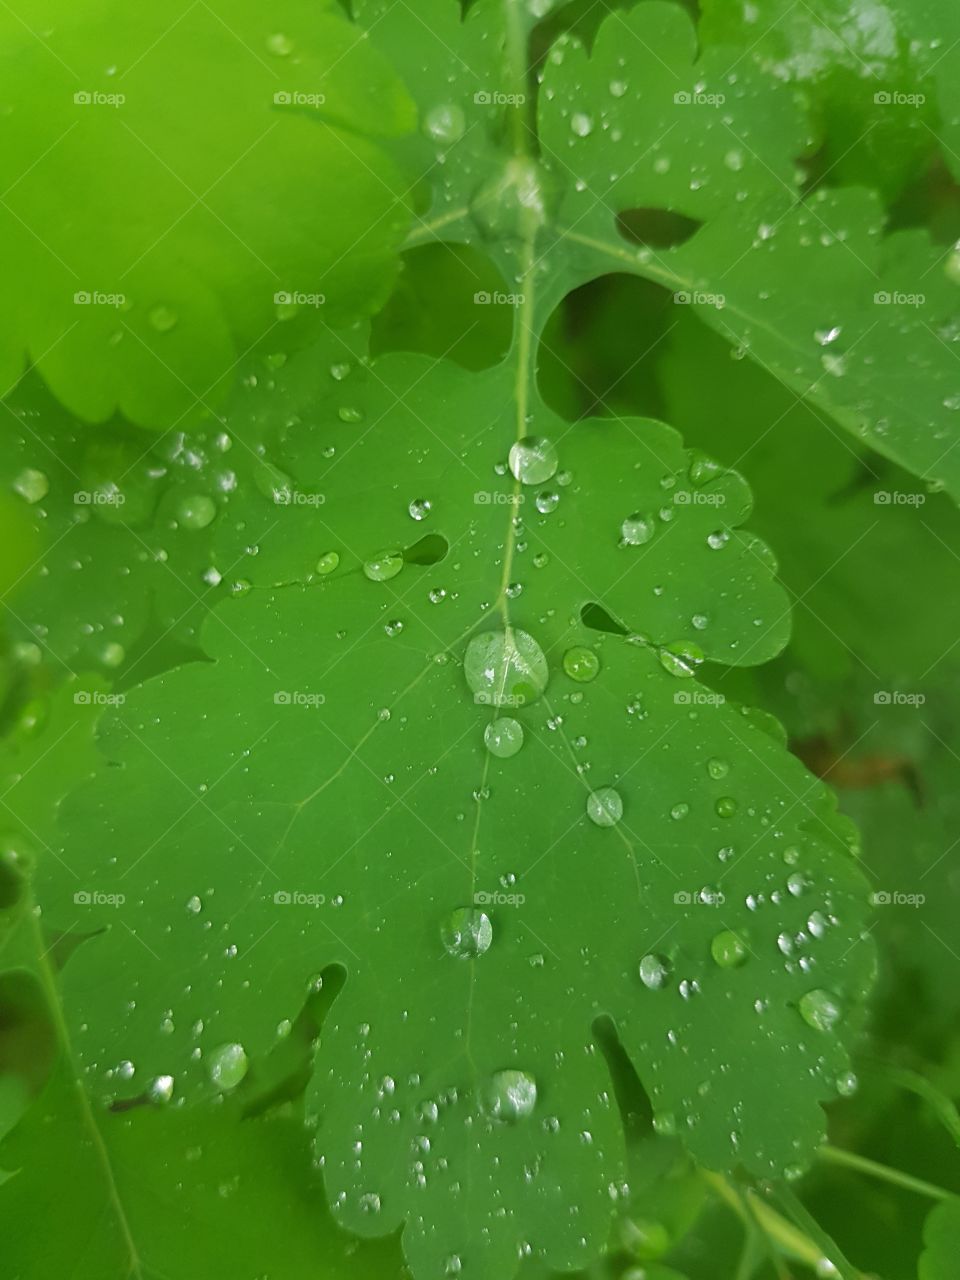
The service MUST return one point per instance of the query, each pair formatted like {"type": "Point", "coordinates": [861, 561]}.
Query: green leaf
{"type": "Point", "coordinates": [167, 177]}
{"type": "Point", "coordinates": [333, 749]}
{"type": "Point", "coordinates": [940, 1259]}
{"type": "Point", "coordinates": [858, 324]}
{"type": "Point", "coordinates": [157, 1192]}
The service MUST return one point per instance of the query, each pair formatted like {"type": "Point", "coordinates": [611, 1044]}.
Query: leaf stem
{"type": "Point", "coordinates": [873, 1169]}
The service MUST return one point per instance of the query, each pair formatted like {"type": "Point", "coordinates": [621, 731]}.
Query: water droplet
{"type": "Point", "coordinates": [725, 807]}
{"type": "Point", "coordinates": [636, 530]}
{"type": "Point", "coordinates": [393, 628]}
{"type": "Point", "coordinates": [328, 562]}
{"type": "Point", "coordinates": [681, 658]}
{"type": "Point", "coordinates": [196, 511]}
{"type": "Point", "coordinates": [820, 1009]}
{"type": "Point", "coordinates": [467, 933]}
{"type": "Point", "coordinates": [419, 508]}
{"type": "Point", "coordinates": [280, 45]}
{"type": "Point", "coordinates": [533, 460]}
{"type": "Point", "coordinates": [227, 1066]}
{"type": "Point", "coordinates": [581, 124]}
{"type": "Point", "coordinates": [581, 663]}
{"type": "Point", "coordinates": [160, 1089]}
{"type": "Point", "coordinates": [33, 486]}
{"type": "Point", "coordinates": [654, 971]}
{"type": "Point", "coordinates": [163, 318]}
{"type": "Point", "coordinates": [444, 123]}
{"type": "Point", "coordinates": [505, 668]}
{"type": "Point", "coordinates": [510, 1095]}
{"type": "Point", "coordinates": [350, 413]}
{"type": "Point", "coordinates": [546, 501]}
{"type": "Point", "coordinates": [847, 1084]}
{"type": "Point", "coordinates": [728, 950]}
{"type": "Point", "coordinates": [383, 565]}
{"type": "Point", "coordinates": [717, 768]}
{"type": "Point", "coordinates": [503, 737]}
{"type": "Point", "coordinates": [194, 905]}
{"type": "Point", "coordinates": [605, 807]}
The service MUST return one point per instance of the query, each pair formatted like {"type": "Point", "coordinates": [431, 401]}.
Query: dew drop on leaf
{"type": "Point", "coordinates": [728, 950]}
{"type": "Point", "coordinates": [383, 565]}
{"type": "Point", "coordinates": [533, 460]}
{"type": "Point", "coordinates": [196, 511]}
{"type": "Point", "coordinates": [328, 562]}
{"type": "Point", "coordinates": [654, 971]}
{"type": "Point", "coordinates": [581, 663]}
{"type": "Point", "coordinates": [505, 668]}
{"type": "Point", "coordinates": [227, 1066]}
{"type": "Point", "coordinates": [467, 932]}
{"type": "Point", "coordinates": [510, 1095]}
{"type": "Point", "coordinates": [636, 530]}
{"type": "Point", "coordinates": [605, 807]}
{"type": "Point", "coordinates": [33, 486]}
{"type": "Point", "coordinates": [503, 737]}
{"type": "Point", "coordinates": [820, 1009]}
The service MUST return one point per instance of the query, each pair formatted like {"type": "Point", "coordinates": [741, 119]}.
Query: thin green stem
{"type": "Point", "coordinates": [873, 1169]}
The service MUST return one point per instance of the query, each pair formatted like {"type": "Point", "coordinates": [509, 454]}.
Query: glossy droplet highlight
{"type": "Point", "coordinates": [505, 668]}
{"type": "Point", "coordinates": [383, 566]}
{"type": "Point", "coordinates": [581, 663]}
{"type": "Point", "coordinates": [467, 933]}
{"type": "Point", "coordinates": [820, 1009]}
{"type": "Point", "coordinates": [728, 950]}
{"type": "Point", "coordinates": [533, 460]}
{"type": "Point", "coordinates": [636, 530]}
{"type": "Point", "coordinates": [196, 511]}
{"type": "Point", "coordinates": [605, 807]}
{"type": "Point", "coordinates": [503, 737]}
{"type": "Point", "coordinates": [654, 971]}
{"type": "Point", "coordinates": [328, 562]}
{"type": "Point", "coordinates": [510, 1095]}
{"type": "Point", "coordinates": [227, 1066]}
{"type": "Point", "coordinates": [33, 486]}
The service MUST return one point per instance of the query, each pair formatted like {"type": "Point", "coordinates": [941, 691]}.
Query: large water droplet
{"type": "Point", "coordinates": [820, 1009]}
{"type": "Point", "coordinates": [510, 1095]}
{"type": "Point", "coordinates": [581, 663]}
{"type": "Point", "coordinates": [533, 460]}
{"type": "Point", "coordinates": [605, 807]}
{"type": "Point", "coordinates": [654, 971]}
{"type": "Point", "coordinates": [728, 950]}
{"type": "Point", "coordinates": [505, 668]}
{"type": "Point", "coordinates": [383, 565]}
{"type": "Point", "coordinates": [636, 530]}
{"type": "Point", "coordinates": [503, 737]}
{"type": "Point", "coordinates": [227, 1065]}
{"type": "Point", "coordinates": [467, 932]}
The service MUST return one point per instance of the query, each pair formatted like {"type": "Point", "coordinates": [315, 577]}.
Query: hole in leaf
{"type": "Point", "coordinates": [658, 228]}
{"type": "Point", "coordinates": [595, 617]}
{"type": "Point", "coordinates": [450, 301]}
{"type": "Point", "coordinates": [598, 352]}
{"type": "Point", "coordinates": [430, 549]}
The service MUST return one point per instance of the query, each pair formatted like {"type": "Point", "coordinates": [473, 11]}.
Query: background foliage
{"type": "Point", "coordinates": [454, 821]}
